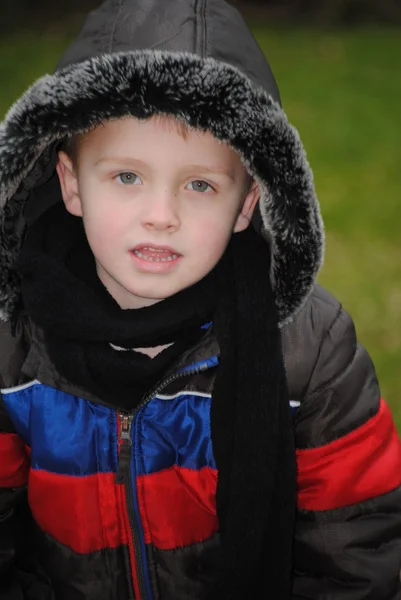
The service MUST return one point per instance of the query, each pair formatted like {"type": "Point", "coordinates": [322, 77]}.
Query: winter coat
{"type": "Point", "coordinates": [154, 534]}
{"type": "Point", "coordinates": [74, 523]}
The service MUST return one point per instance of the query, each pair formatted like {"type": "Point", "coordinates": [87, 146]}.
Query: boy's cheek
{"type": "Point", "coordinates": [104, 227]}
{"type": "Point", "coordinates": [213, 232]}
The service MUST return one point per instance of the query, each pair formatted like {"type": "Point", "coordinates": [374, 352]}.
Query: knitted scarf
{"type": "Point", "coordinates": [251, 426]}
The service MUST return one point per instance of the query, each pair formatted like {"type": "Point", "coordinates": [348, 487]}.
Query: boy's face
{"type": "Point", "coordinates": [158, 208]}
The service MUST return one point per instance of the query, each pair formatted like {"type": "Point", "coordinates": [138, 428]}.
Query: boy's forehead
{"type": "Point", "coordinates": [128, 127]}
{"type": "Point", "coordinates": [129, 134]}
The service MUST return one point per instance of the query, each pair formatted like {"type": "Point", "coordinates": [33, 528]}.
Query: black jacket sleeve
{"type": "Point", "coordinates": [20, 577]}
{"type": "Point", "coordinates": [348, 531]}
{"type": "Point", "coordinates": [13, 480]}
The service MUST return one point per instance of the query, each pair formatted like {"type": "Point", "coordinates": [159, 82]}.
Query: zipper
{"type": "Point", "coordinates": [123, 475]}
{"type": "Point", "coordinates": [125, 444]}
{"type": "Point", "coordinates": [165, 382]}
{"type": "Point", "coordinates": [127, 418]}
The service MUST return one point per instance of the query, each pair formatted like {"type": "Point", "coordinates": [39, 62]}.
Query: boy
{"type": "Point", "coordinates": [158, 352]}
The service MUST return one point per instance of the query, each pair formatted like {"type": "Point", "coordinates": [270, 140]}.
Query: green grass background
{"type": "Point", "coordinates": [342, 90]}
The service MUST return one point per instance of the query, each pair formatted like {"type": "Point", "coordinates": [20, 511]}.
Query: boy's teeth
{"type": "Point", "coordinates": [168, 258]}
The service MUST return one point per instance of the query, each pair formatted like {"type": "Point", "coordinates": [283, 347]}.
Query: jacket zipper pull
{"type": "Point", "coordinates": [124, 443]}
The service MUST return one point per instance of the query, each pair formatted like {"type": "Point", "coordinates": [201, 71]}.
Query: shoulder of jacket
{"type": "Point", "coordinates": [304, 337]}
{"type": "Point", "coordinates": [14, 346]}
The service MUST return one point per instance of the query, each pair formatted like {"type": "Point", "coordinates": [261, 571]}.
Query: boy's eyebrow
{"type": "Point", "coordinates": [118, 159]}
{"type": "Point", "coordinates": [227, 172]}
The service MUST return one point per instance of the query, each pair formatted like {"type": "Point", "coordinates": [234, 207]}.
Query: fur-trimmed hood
{"type": "Point", "coordinates": [194, 59]}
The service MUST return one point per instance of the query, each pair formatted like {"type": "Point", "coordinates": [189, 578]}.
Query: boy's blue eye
{"type": "Point", "coordinates": [128, 178]}
{"type": "Point", "coordinates": [200, 186]}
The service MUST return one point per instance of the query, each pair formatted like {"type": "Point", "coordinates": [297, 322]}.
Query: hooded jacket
{"type": "Point", "coordinates": [69, 529]}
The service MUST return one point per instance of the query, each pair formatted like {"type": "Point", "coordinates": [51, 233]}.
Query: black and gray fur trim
{"type": "Point", "coordinates": [205, 93]}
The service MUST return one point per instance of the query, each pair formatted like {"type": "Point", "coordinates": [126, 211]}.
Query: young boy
{"type": "Point", "coordinates": [163, 341]}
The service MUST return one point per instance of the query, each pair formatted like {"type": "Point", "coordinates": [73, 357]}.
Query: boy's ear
{"type": "Point", "coordinates": [69, 184]}
{"type": "Point", "coordinates": [248, 206]}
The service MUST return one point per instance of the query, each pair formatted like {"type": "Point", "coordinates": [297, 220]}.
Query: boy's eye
{"type": "Point", "coordinates": [128, 178]}
{"type": "Point", "coordinates": [200, 186]}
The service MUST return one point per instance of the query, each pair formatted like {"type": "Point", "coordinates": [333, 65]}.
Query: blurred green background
{"type": "Point", "coordinates": [341, 87]}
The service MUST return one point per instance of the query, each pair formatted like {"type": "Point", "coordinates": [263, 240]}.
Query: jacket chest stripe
{"type": "Point", "coordinates": [68, 435]}
{"type": "Point", "coordinates": [19, 388]}
{"type": "Point", "coordinates": [80, 512]}
{"type": "Point", "coordinates": [179, 428]}
{"type": "Point", "coordinates": [356, 467]}
{"type": "Point", "coordinates": [187, 513]}
{"type": "Point", "coordinates": [182, 472]}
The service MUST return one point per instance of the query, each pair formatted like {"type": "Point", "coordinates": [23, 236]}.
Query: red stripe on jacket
{"type": "Point", "coordinates": [14, 461]}
{"type": "Point", "coordinates": [177, 506]}
{"type": "Point", "coordinates": [82, 513]}
{"type": "Point", "coordinates": [360, 465]}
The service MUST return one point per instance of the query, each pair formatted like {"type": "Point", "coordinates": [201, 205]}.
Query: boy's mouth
{"type": "Point", "coordinates": [156, 253]}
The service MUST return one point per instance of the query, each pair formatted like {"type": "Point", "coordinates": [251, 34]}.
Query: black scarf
{"type": "Point", "coordinates": [251, 424]}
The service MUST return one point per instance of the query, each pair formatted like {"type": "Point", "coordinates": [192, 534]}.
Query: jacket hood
{"type": "Point", "coordinates": [196, 60]}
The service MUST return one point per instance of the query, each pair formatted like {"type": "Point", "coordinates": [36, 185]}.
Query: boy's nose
{"type": "Point", "coordinates": [161, 213]}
